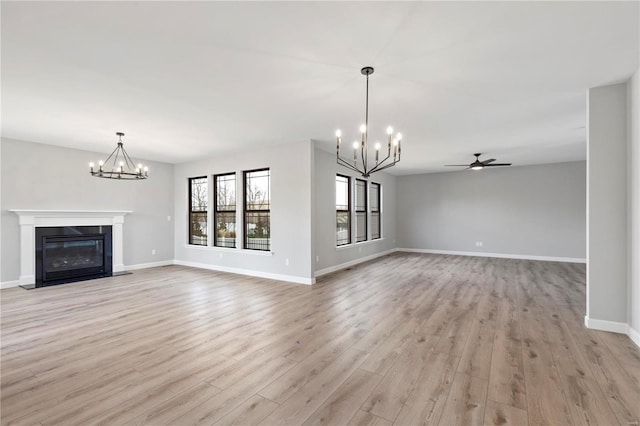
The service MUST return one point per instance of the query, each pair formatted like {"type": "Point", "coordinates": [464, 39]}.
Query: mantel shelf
{"type": "Point", "coordinates": [69, 213]}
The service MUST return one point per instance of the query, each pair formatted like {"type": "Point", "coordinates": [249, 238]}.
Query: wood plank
{"type": "Point", "coordinates": [504, 415]}
{"type": "Point", "coordinates": [506, 377]}
{"type": "Point", "coordinates": [394, 390]}
{"type": "Point", "coordinates": [364, 418]}
{"type": "Point", "coordinates": [289, 383]}
{"type": "Point", "coordinates": [182, 403]}
{"type": "Point", "coordinates": [298, 408]}
{"type": "Point", "coordinates": [217, 407]}
{"type": "Point", "coordinates": [466, 401]}
{"type": "Point", "coordinates": [343, 404]}
{"type": "Point", "coordinates": [250, 412]}
{"type": "Point", "coordinates": [425, 404]}
{"type": "Point", "coordinates": [587, 402]}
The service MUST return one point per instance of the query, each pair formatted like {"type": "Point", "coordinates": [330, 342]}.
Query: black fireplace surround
{"type": "Point", "coordinates": [67, 254]}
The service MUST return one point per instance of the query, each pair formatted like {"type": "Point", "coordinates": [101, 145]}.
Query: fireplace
{"type": "Point", "coordinates": [72, 253]}
{"type": "Point", "coordinates": [30, 220]}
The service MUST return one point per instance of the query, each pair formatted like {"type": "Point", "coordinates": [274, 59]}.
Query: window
{"type": "Point", "coordinates": [225, 212]}
{"type": "Point", "coordinates": [343, 210]}
{"type": "Point", "coordinates": [374, 195]}
{"type": "Point", "coordinates": [198, 200]}
{"type": "Point", "coordinates": [257, 210]}
{"type": "Point", "coordinates": [361, 210]}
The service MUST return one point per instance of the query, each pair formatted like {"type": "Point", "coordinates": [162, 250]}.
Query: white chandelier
{"type": "Point", "coordinates": [119, 165]}
{"type": "Point", "coordinates": [361, 166]}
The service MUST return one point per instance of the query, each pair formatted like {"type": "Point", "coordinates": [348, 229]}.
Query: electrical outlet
{"type": "Point", "coordinates": [168, 218]}
{"type": "Point", "coordinates": [286, 261]}
{"type": "Point", "coordinates": [220, 255]}
{"type": "Point", "coordinates": [153, 251]}
{"type": "Point", "coordinates": [359, 249]}
{"type": "Point", "coordinates": [478, 243]}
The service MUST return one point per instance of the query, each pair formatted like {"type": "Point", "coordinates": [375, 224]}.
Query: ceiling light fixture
{"type": "Point", "coordinates": [119, 165]}
{"type": "Point", "coordinates": [361, 167]}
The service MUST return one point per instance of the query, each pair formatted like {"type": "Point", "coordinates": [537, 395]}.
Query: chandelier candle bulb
{"type": "Point", "coordinates": [91, 165]}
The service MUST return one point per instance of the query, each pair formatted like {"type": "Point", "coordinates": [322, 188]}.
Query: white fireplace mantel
{"type": "Point", "coordinates": [29, 220]}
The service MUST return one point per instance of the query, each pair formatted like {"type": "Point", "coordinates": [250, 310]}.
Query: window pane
{"type": "Point", "coordinates": [257, 217]}
{"type": "Point", "coordinates": [199, 194]}
{"type": "Point", "coordinates": [374, 190]}
{"type": "Point", "coordinates": [226, 192]}
{"type": "Point", "coordinates": [361, 210]}
{"type": "Point", "coordinates": [361, 227]}
{"type": "Point", "coordinates": [257, 190]}
{"type": "Point", "coordinates": [361, 195]}
{"type": "Point", "coordinates": [258, 232]}
{"type": "Point", "coordinates": [342, 193]}
{"type": "Point", "coordinates": [226, 229]}
{"type": "Point", "coordinates": [343, 210]}
{"type": "Point", "coordinates": [198, 202]}
{"type": "Point", "coordinates": [343, 232]}
{"type": "Point", "coordinates": [198, 228]}
{"type": "Point", "coordinates": [375, 225]}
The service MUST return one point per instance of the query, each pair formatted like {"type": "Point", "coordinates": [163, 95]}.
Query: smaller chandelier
{"type": "Point", "coordinates": [361, 166]}
{"type": "Point", "coordinates": [119, 165]}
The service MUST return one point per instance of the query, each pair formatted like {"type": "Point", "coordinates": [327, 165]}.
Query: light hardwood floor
{"type": "Point", "coordinates": [407, 339]}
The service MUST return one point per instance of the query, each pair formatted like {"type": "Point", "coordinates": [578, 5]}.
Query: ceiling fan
{"type": "Point", "coordinates": [479, 165]}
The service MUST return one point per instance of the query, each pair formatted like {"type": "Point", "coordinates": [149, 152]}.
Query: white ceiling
{"type": "Point", "coordinates": [185, 80]}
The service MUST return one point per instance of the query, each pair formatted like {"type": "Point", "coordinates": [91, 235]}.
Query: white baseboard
{"type": "Point", "coordinates": [9, 284]}
{"type": "Point", "coordinates": [249, 272]}
{"type": "Point", "coordinates": [148, 265]}
{"type": "Point", "coordinates": [612, 326]}
{"type": "Point", "coordinates": [634, 336]}
{"type": "Point", "coordinates": [500, 255]}
{"type": "Point", "coordinates": [334, 268]}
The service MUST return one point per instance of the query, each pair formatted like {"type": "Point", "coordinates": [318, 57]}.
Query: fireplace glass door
{"type": "Point", "coordinates": [72, 256]}
{"type": "Point", "coordinates": [72, 253]}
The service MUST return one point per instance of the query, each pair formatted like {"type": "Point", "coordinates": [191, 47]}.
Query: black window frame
{"type": "Point", "coordinates": [362, 211]}
{"type": "Point", "coordinates": [216, 211]}
{"type": "Point", "coordinates": [191, 212]}
{"type": "Point", "coordinates": [347, 211]}
{"type": "Point", "coordinates": [247, 212]}
{"type": "Point", "coordinates": [378, 211]}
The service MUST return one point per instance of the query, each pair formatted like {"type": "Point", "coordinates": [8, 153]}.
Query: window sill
{"type": "Point", "coordinates": [360, 244]}
{"type": "Point", "coordinates": [230, 250]}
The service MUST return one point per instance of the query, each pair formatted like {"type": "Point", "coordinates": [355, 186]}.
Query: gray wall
{"type": "Point", "coordinates": [326, 254]}
{"type": "Point", "coordinates": [291, 226]}
{"type": "Point", "coordinates": [527, 210]}
{"type": "Point", "coordinates": [37, 176]}
{"type": "Point", "coordinates": [607, 204]}
{"type": "Point", "coordinates": [633, 97]}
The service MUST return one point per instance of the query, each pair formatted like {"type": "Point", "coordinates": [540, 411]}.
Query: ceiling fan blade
{"type": "Point", "coordinates": [485, 162]}
{"type": "Point", "coordinates": [456, 165]}
{"type": "Point", "coordinates": [497, 164]}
